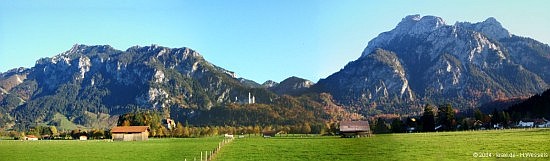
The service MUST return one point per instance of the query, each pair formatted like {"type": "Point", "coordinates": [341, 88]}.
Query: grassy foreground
{"type": "Point", "coordinates": [468, 145]}
{"type": "Point", "coordinates": [71, 150]}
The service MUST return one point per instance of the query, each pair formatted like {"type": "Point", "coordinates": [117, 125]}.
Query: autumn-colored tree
{"type": "Point", "coordinates": [126, 123]}
{"type": "Point", "coordinates": [306, 128]}
{"type": "Point", "coordinates": [179, 130]}
{"type": "Point", "coordinates": [256, 130]}
{"type": "Point", "coordinates": [54, 131]}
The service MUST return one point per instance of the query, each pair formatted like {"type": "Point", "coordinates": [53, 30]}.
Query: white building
{"type": "Point", "coordinates": [545, 123]}
{"type": "Point", "coordinates": [251, 100]}
{"type": "Point", "coordinates": [526, 124]}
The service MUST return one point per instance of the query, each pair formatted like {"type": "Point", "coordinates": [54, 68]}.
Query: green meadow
{"type": "Point", "coordinates": [517, 144]}
{"type": "Point", "coordinates": [73, 150]}
{"type": "Point", "coordinates": [465, 145]}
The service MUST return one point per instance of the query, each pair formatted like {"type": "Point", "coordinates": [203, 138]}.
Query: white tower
{"type": "Point", "coordinates": [253, 99]}
{"type": "Point", "coordinates": [249, 99]}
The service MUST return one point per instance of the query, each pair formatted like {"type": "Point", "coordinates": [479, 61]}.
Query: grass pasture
{"type": "Point", "coordinates": [71, 150]}
{"type": "Point", "coordinates": [467, 145]}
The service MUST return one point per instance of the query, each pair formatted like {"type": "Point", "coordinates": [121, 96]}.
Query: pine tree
{"type": "Point", "coordinates": [381, 127]}
{"type": "Point", "coordinates": [396, 126]}
{"type": "Point", "coordinates": [428, 118]}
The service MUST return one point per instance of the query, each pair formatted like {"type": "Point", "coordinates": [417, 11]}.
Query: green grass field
{"type": "Point", "coordinates": [72, 150]}
{"type": "Point", "coordinates": [417, 146]}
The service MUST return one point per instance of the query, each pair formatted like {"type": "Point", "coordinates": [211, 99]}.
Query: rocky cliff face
{"type": "Point", "coordinates": [91, 85]}
{"type": "Point", "coordinates": [103, 80]}
{"type": "Point", "coordinates": [424, 60]}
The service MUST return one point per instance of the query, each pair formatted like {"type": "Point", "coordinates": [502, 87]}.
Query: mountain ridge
{"type": "Point", "coordinates": [466, 64]}
{"type": "Point", "coordinates": [422, 60]}
{"type": "Point", "coordinates": [90, 85]}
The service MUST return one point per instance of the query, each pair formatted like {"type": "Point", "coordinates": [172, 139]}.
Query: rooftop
{"type": "Point", "coordinates": [350, 126]}
{"type": "Point", "coordinates": [124, 129]}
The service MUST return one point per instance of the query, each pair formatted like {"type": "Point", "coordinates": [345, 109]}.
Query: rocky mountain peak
{"type": "Point", "coordinates": [85, 49]}
{"type": "Point", "coordinates": [410, 25]}
{"type": "Point", "coordinates": [423, 60]}
{"type": "Point", "coordinates": [490, 28]}
{"type": "Point", "coordinates": [291, 86]}
{"type": "Point", "coordinates": [433, 26]}
{"type": "Point", "coordinates": [269, 84]}
{"type": "Point", "coordinates": [418, 22]}
{"type": "Point", "coordinates": [424, 24]}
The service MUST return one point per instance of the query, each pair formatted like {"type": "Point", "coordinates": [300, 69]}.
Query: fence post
{"type": "Point", "coordinates": [201, 155]}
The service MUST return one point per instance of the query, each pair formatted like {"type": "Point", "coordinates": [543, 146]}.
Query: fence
{"type": "Point", "coordinates": [210, 154]}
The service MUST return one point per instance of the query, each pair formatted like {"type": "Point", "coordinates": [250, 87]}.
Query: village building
{"type": "Point", "coordinates": [228, 136]}
{"type": "Point", "coordinates": [526, 124]}
{"type": "Point", "coordinates": [251, 99]}
{"type": "Point", "coordinates": [31, 137]}
{"type": "Point", "coordinates": [83, 137]}
{"type": "Point", "coordinates": [171, 124]}
{"type": "Point", "coordinates": [543, 123]}
{"type": "Point", "coordinates": [354, 128]}
{"type": "Point", "coordinates": [268, 134]}
{"type": "Point", "coordinates": [130, 133]}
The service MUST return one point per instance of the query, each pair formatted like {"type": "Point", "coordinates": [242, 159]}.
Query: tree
{"type": "Point", "coordinates": [428, 119]}
{"type": "Point", "coordinates": [256, 130]}
{"type": "Point", "coordinates": [126, 123]}
{"type": "Point", "coordinates": [478, 114]}
{"type": "Point", "coordinates": [75, 133]}
{"type": "Point", "coordinates": [186, 132]}
{"type": "Point", "coordinates": [54, 131]}
{"type": "Point", "coordinates": [397, 126]}
{"type": "Point", "coordinates": [285, 129]}
{"type": "Point", "coordinates": [179, 130]}
{"type": "Point", "coordinates": [506, 119]}
{"type": "Point", "coordinates": [160, 132]}
{"type": "Point", "coordinates": [381, 127]}
{"type": "Point", "coordinates": [496, 117]}
{"type": "Point", "coordinates": [446, 117]}
{"type": "Point", "coordinates": [306, 128]}
{"type": "Point", "coordinates": [22, 136]}
{"type": "Point", "coordinates": [98, 134]}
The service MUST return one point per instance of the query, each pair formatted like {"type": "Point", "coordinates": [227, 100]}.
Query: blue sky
{"type": "Point", "coordinates": [259, 40]}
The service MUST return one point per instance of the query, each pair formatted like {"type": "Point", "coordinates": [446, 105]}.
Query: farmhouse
{"type": "Point", "coordinates": [228, 136]}
{"type": "Point", "coordinates": [354, 128]}
{"type": "Point", "coordinates": [268, 134]}
{"type": "Point", "coordinates": [31, 137]}
{"type": "Point", "coordinates": [130, 133]}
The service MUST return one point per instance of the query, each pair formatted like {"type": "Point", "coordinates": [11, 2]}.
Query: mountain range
{"type": "Point", "coordinates": [91, 85]}
{"type": "Point", "coordinates": [422, 60]}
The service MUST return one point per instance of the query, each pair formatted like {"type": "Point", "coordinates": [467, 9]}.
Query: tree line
{"type": "Point", "coordinates": [444, 118]}
{"type": "Point", "coordinates": [160, 128]}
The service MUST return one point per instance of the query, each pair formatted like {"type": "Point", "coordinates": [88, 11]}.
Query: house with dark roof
{"type": "Point", "coordinates": [130, 133]}
{"type": "Point", "coordinates": [268, 134]}
{"type": "Point", "coordinates": [354, 129]}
